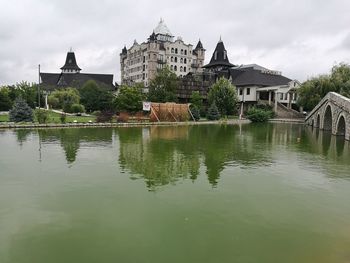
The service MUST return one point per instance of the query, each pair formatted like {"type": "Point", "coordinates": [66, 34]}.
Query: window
{"type": "Point", "coordinates": [182, 51]}
{"type": "Point", "coordinates": [185, 52]}
{"type": "Point", "coordinates": [184, 69]}
{"type": "Point", "coordinates": [181, 60]}
{"type": "Point", "coordinates": [172, 59]}
{"type": "Point", "coordinates": [181, 69]}
{"type": "Point", "coordinates": [216, 55]}
{"type": "Point", "coordinates": [248, 91]}
{"type": "Point", "coordinates": [225, 54]}
{"type": "Point", "coordinates": [172, 50]}
{"type": "Point", "coordinates": [172, 67]}
{"type": "Point", "coordinates": [175, 50]}
{"type": "Point", "coordinates": [185, 60]}
{"type": "Point", "coordinates": [241, 92]}
{"type": "Point", "coordinates": [175, 59]}
{"type": "Point", "coordinates": [281, 96]}
{"type": "Point", "coordinates": [175, 68]}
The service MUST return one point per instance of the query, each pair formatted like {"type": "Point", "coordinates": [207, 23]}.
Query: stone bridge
{"type": "Point", "coordinates": [331, 114]}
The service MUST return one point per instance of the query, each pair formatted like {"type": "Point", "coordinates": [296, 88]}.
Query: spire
{"type": "Point", "coordinates": [219, 58]}
{"type": "Point", "coordinates": [124, 50]}
{"type": "Point", "coordinates": [199, 45]}
{"type": "Point", "coordinates": [71, 65]}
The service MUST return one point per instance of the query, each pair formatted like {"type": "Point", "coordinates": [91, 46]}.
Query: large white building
{"type": "Point", "coordinates": [139, 63]}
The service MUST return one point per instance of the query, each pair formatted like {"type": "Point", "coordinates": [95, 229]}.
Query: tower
{"type": "Point", "coordinates": [71, 66]}
{"type": "Point", "coordinates": [219, 60]}
{"type": "Point", "coordinates": [199, 51]}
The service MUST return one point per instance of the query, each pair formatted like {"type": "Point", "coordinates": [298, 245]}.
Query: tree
{"type": "Point", "coordinates": [5, 100]}
{"type": "Point", "coordinates": [65, 98]}
{"type": "Point", "coordinates": [224, 95]}
{"type": "Point", "coordinates": [213, 112]}
{"type": "Point", "coordinates": [196, 99]}
{"type": "Point", "coordinates": [95, 98]}
{"type": "Point", "coordinates": [313, 90]}
{"type": "Point", "coordinates": [129, 99]}
{"type": "Point", "coordinates": [163, 87]}
{"type": "Point", "coordinates": [21, 111]}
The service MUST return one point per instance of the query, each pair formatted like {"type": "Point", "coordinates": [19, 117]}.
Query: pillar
{"type": "Point", "coordinates": [269, 97]}
{"type": "Point", "coordinates": [276, 97]}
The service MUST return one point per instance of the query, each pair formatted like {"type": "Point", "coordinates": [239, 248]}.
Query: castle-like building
{"type": "Point", "coordinates": [140, 62]}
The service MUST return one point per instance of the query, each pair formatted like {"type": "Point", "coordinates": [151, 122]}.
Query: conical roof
{"type": "Point", "coordinates": [162, 29]}
{"type": "Point", "coordinates": [219, 57]}
{"type": "Point", "coordinates": [71, 62]}
{"type": "Point", "coordinates": [199, 45]}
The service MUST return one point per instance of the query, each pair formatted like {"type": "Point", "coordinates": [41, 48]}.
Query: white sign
{"type": "Point", "coordinates": [146, 106]}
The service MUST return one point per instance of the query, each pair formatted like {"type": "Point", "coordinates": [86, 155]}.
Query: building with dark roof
{"type": "Point", "coordinates": [70, 76]}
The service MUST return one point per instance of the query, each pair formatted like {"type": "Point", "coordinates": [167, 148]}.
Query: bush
{"type": "Point", "coordinates": [259, 115]}
{"type": "Point", "coordinates": [195, 112]}
{"type": "Point", "coordinates": [213, 112]}
{"type": "Point", "coordinates": [105, 116]}
{"type": "Point", "coordinates": [123, 117]}
{"type": "Point", "coordinates": [21, 111]}
{"type": "Point", "coordinates": [41, 115]}
{"type": "Point", "coordinates": [63, 118]}
{"type": "Point", "coordinates": [77, 108]}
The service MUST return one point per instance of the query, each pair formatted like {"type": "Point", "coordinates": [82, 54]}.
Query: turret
{"type": "Point", "coordinates": [71, 65]}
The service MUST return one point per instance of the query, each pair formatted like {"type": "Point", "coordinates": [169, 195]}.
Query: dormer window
{"type": "Point", "coordinates": [216, 55]}
{"type": "Point", "coordinates": [225, 54]}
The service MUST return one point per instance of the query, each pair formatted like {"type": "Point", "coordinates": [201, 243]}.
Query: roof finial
{"type": "Point", "coordinates": [220, 39]}
{"type": "Point", "coordinates": [161, 20]}
{"type": "Point", "coordinates": [71, 49]}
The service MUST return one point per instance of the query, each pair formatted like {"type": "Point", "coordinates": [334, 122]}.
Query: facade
{"type": "Point", "coordinates": [139, 63]}
{"type": "Point", "coordinates": [70, 76]}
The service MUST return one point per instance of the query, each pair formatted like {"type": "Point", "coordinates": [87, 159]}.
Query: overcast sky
{"type": "Point", "coordinates": [301, 38]}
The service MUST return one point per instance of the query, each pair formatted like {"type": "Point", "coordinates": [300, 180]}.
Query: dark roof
{"type": "Point", "coordinates": [219, 57]}
{"type": "Point", "coordinates": [71, 62]}
{"type": "Point", "coordinates": [57, 80]}
{"type": "Point", "coordinates": [124, 51]}
{"type": "Point", "coordinates": [199, 45]}
{"type": "Point", "coordinates": [251, 76]}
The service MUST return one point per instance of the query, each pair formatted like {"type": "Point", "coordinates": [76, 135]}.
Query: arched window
{"type": "Point", "coordinates": [225, 54]}
{"type": "Point", "coordinates": [175, 50]}
{"type": "Point", "coordinates": [185, 60]}
{"type": "Point", "coordinates": [182, 51]}
{"type": "Point", "coordinates": [181, 69]}
{"type": "Point", "coordinates": [172, 59]}
{"type": "Point", "coordinates": [181, 60]}
{"type": "Point", "coordinates": [184, 69]}
{"type": "Point", "coordinates": [185, 52]}
{"type": "Point", "coordinates": [172, 50]}
{"type": "Point", "coordinates": [171, 67]}
{"type": "Point", "coordinates": [175, 68]}
{"type": "Point", "coordinates": [216, 55]}
{"type": "Point", "coordinates": [175, 59]}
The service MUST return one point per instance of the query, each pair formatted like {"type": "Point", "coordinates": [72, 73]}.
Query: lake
{"type": "Point", "coordinates": [206, 193]}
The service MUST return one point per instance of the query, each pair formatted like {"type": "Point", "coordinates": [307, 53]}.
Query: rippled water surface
{"type": "Point", "coordinates": [251, 193]}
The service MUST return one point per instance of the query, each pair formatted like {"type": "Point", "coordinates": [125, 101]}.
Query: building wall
{"type": "Point", "coordinates": [247, 94]}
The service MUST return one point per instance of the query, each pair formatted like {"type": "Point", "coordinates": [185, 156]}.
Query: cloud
{"type": "Point", "coordinates": [301, 38]}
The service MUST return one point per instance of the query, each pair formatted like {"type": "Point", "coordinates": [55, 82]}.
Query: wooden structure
{"type": "Point", "coordinates": [170, 112]}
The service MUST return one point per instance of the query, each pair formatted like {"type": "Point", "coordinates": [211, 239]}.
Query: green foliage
{"type": "Point", "coordinates": [129, 99]}
{"type": "Point", "coordinates": [63, 118]}
{"type": "Point", "coordinates": [259, 115]}
{"type": "Point", "coordinates": [5, 100]}
{"type": "Point", "coordinates": [41, 115]}
{"type": "Point", "coordinates": [213, 112]}
{"type": "Point", "coordinates": [313, 90]}
{"type": "Point", "coordinates": [196, 99]}
{"type": "Point", "coordinates": [195, 112]}
{"type": "Point", "coordinates": [224, 95]}
{"type": "Point", "coordinates": [163, 87]}
{"type": "Point", "coordinates": [77, 108]}
{"type": "Point", "coordinates": [105, 116]}
{"type": "Point", "coordinates": [21, 111]}
{"type": "Point", "coordinates": [95, 98]}
{"type": "Point", "coordinates": [66, 98]}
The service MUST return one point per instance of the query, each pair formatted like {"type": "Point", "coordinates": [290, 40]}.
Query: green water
{"type": "Point", "coordinates": [251, 193]}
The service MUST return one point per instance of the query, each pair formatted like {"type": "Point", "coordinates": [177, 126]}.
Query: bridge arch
{"type": "Point", "coordinates": [328, 119]}
{"type": "Point", "coordinates": [341, 125]}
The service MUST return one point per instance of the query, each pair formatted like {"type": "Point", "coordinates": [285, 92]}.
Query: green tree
{"type": "Point", "coordinates": [95, 98]}
{"type": "Point", "coordinates": [213, 112]}
{"type": "Point", "coordinates": [224, 95]}
{"type": "Point", "coordinates": [5, 100]}
{"type": "Point", "coordinates": [313, 90]}
{"type": "Point", "coordinates": [65, 98]}
{"type": "Point", "coordinates": [129, 99]}
{"type": "Point", "coordinates": [21, 111]}
{"type": "Point", "coordinates": [196, 99]}
{"type": "Point", "coordinates": [28, 92]}
{"type": "Point", "coordinates": [163, 87]}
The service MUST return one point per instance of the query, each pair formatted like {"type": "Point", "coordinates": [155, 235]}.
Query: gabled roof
{"type": "Point", "coordinates": [71, 62]}
{"type": "Point", "coordinates": [77, 79]}
{"type": "Point", "coordinates": [251, 76]}
{"type": "Point", "coordinates": [219, 57]}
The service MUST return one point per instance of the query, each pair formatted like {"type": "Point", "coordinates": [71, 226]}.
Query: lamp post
{"type": "Point", "coordinates": [39, 89]}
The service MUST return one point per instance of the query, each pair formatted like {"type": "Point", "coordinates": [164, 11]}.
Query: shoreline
{"type": "Point", "coordinates": [135, 124]}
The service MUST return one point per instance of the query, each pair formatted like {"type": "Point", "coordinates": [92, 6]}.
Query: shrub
{"type": "Point", "coordinates": [41, 115]}
{"type": "Point", "coordinates": [195, 112]}
{"type": "Point", "coordinates": [77, 108]}
{"type": "Point", "coordinates": [213, 112]}
{"type": "Point", "coordinates": [123, 117]}
{"type": "Point", "coordinates": [259, 115]}
{"type": "Point", "coordinates": [105, 116]}
{"type": "Point", "coordinates": [21, 111]}
{"type": "Point", "coordinates": [63, 118]}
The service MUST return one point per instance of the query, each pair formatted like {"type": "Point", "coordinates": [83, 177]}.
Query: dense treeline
{"type": "Point", "coordinates": [313, 90]}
